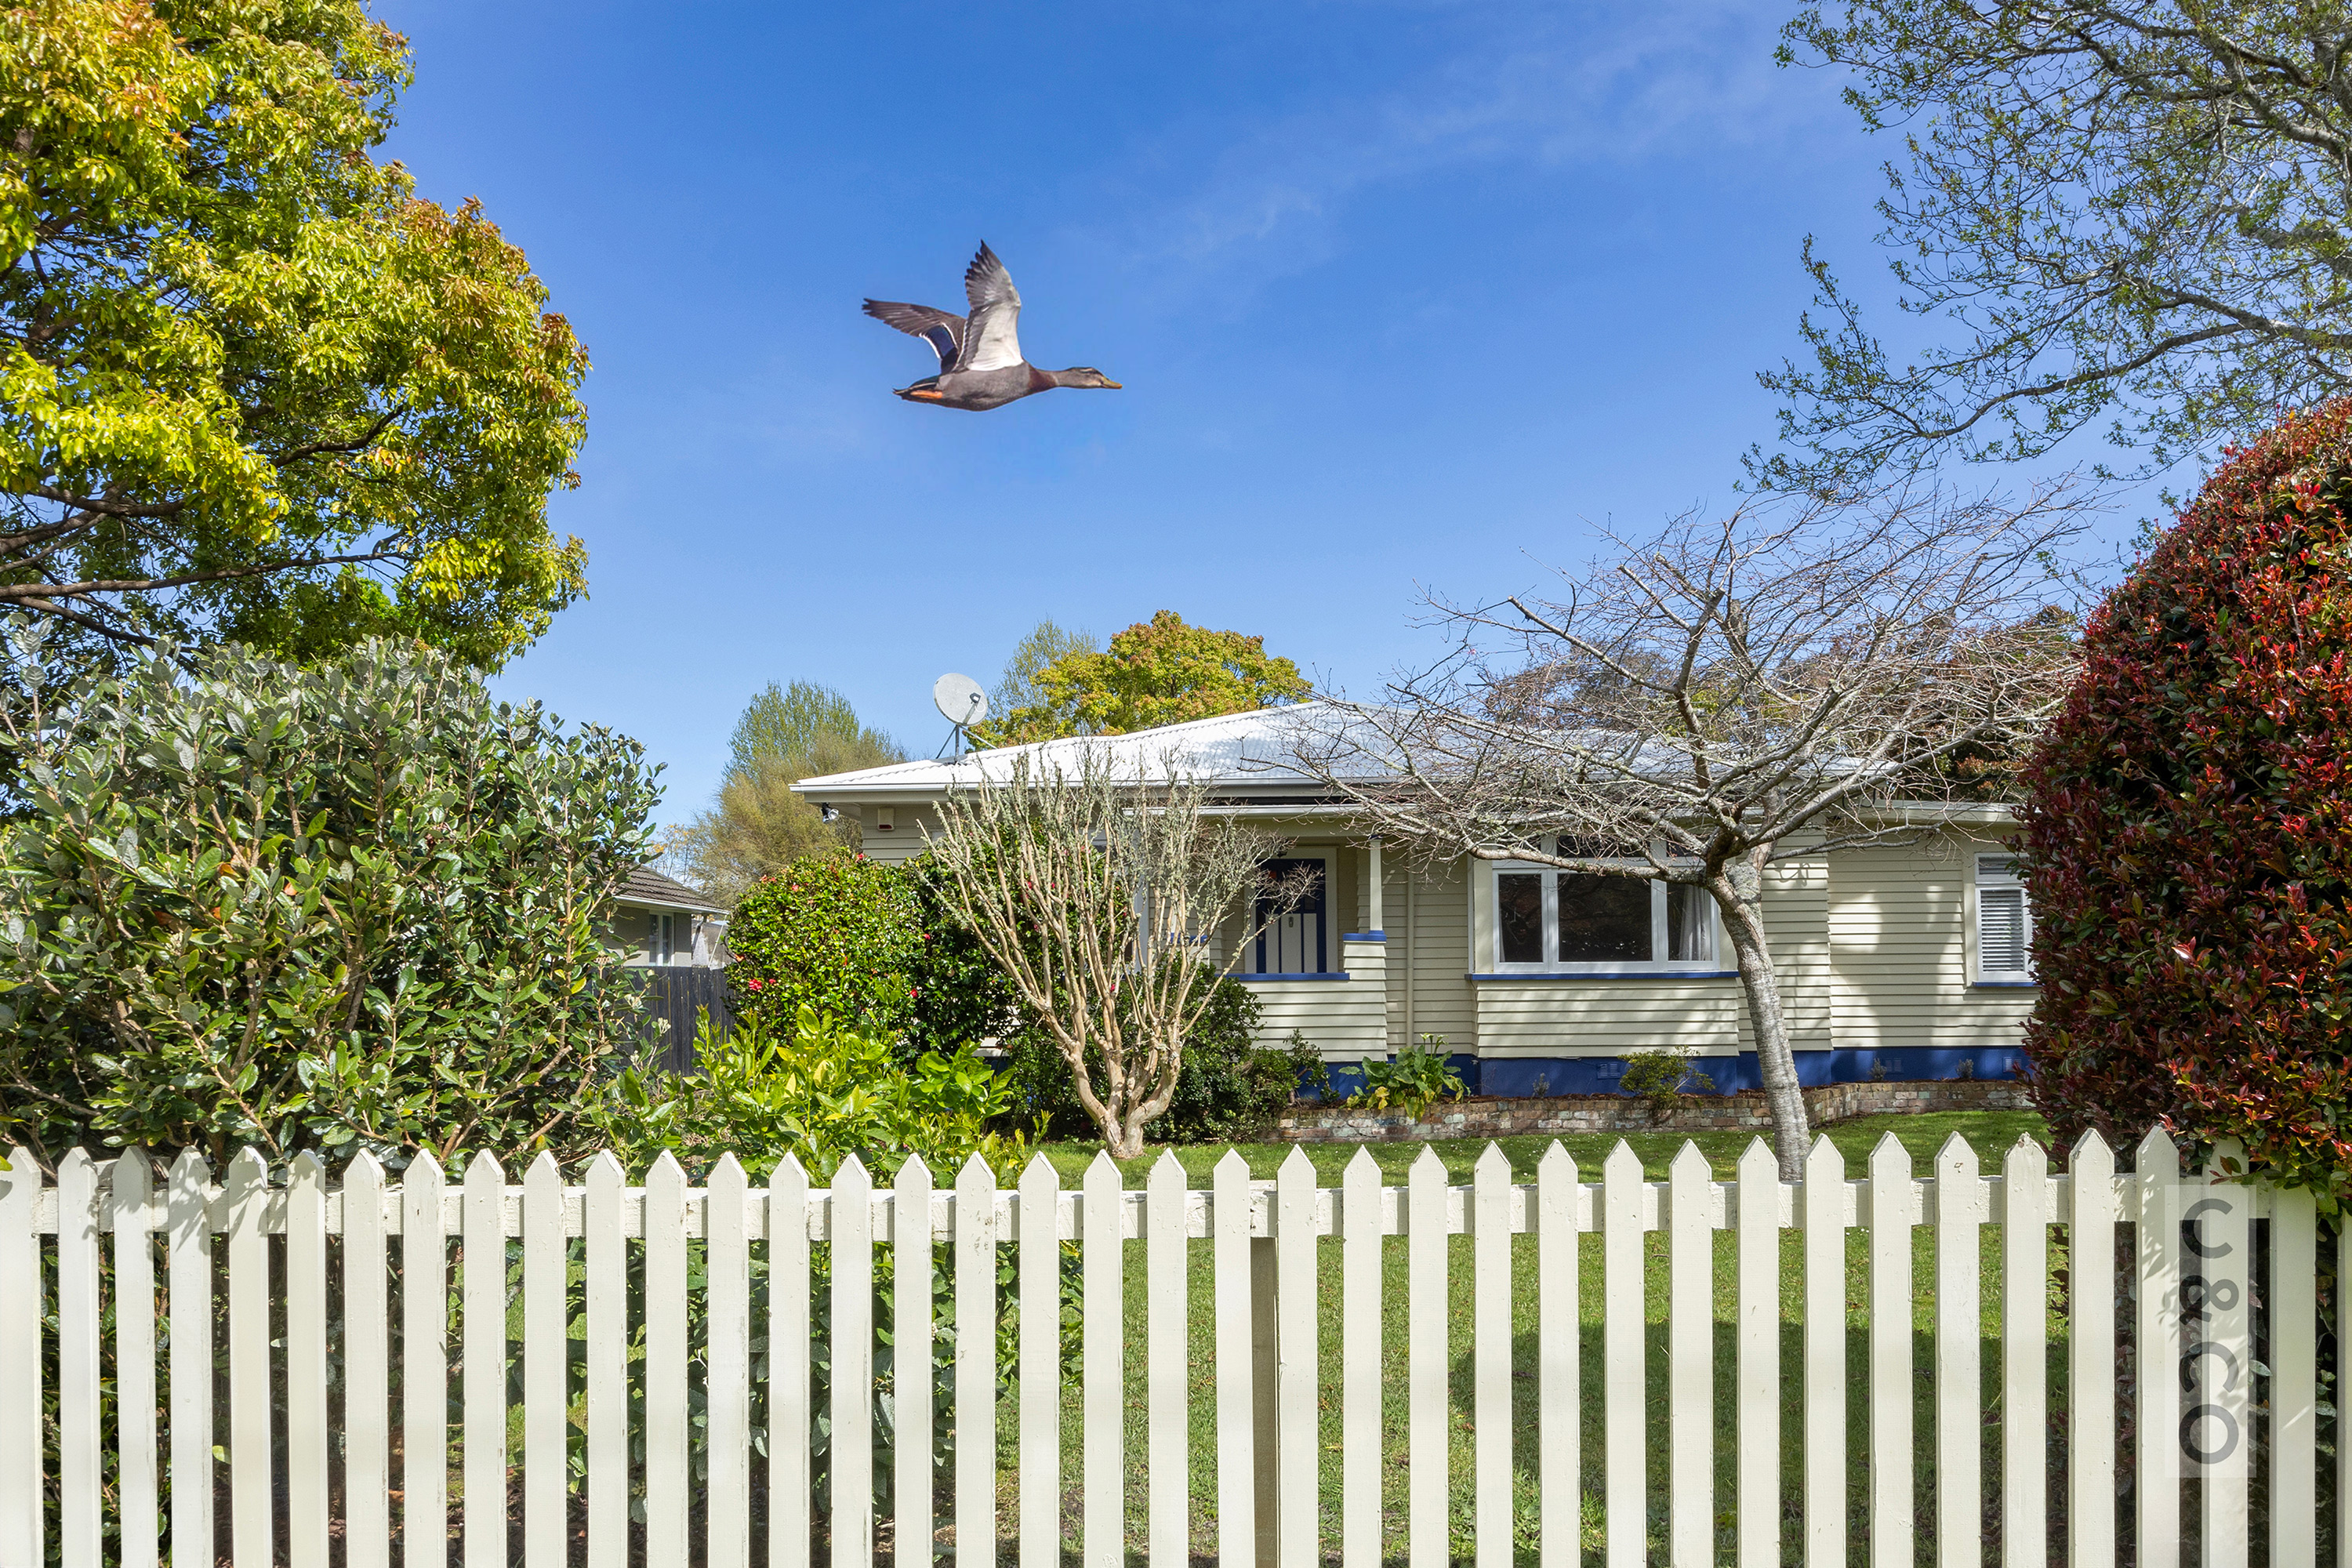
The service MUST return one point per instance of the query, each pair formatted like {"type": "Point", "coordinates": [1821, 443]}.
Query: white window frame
{"type": "Point", "coordinates": [1999, 871]}
{"type": "Point", "coordinates": [1550, 964]}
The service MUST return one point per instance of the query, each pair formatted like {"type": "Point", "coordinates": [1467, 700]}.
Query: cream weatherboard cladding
{"type": "Point", "coordinates": [1901, 923]}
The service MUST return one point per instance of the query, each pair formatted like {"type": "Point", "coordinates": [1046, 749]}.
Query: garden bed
{"type": "Point", "coordinates": [1503, 1117]}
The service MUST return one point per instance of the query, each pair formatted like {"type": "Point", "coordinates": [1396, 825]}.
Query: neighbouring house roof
{"type": "Point", "coordinates": [649, 887]}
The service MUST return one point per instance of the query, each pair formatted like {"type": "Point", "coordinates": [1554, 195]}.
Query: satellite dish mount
{"type": "Point", "coordinates": [961, 703]}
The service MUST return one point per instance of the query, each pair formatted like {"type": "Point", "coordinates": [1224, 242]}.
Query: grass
{"type": "Point", "coordinates": [1991, 1132]}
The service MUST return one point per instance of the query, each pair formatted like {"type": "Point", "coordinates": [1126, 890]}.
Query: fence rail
{"type": "Point", "coordinates": [330, 1310]}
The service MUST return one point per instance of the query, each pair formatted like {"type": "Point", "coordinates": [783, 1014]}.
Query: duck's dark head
{"type": "Point", "coordinates": [1085, 375]}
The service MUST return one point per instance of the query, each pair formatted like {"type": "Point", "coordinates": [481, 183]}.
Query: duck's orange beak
{"type": "Point", "coordinates": [1112, 385]}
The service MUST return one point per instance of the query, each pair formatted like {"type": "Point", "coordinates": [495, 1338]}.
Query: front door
{"type": "Point", "coordinates": [1292, 942]}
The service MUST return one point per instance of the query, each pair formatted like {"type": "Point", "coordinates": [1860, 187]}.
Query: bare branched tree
{"type": "Point", "coordinates": [1100, 893]}
{"type": "Point", "coordinates": [1727, 694]}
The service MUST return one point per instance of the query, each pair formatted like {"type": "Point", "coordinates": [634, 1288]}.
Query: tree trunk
{"type": "Point", "coordinates": [1738, 890]}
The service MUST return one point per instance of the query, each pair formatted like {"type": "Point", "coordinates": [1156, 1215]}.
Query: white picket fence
{"type": "Point", "coordinates": [2200, 1401]}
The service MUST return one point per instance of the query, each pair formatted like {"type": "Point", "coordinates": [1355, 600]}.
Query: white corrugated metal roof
{"type": "Point", "coordinates": [1247, 753]}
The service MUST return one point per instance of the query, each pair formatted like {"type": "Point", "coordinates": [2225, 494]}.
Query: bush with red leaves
{"type": "Point", "coordinates": [2189, 826]}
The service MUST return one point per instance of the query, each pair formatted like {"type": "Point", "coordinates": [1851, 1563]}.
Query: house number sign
{"type": "Point", "coordinates": [2212, 1236]}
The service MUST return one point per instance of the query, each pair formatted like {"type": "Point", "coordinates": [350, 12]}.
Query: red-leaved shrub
{"type": "Point", "coordinates": [2189, 832]}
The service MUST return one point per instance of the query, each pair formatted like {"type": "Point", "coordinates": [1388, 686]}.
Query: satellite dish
{"type": "Point", "coordinates": [959, 700]}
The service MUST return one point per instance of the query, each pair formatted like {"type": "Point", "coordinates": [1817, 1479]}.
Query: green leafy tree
{"type": "Point", "coordinates": [2122, 215]}
{"type": "Point", "coordinates": [251, 387]}
{"type": "Point", "coordinates": [1160, 671]}
{"type": "Point", "coordinates": [759, 825]}
{"type": "Point", "coordinates": [1047, 642]}
{"type": "Point", "coordinates": [354, 905]}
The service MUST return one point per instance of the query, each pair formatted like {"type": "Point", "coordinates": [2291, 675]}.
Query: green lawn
{"type": "Point", "coordinates": [1991, 1133]}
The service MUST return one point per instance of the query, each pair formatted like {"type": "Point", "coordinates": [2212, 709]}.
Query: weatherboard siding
{"type": "Point", "coordinates": [904, 841]}
{"type": "Point", "coordinates": [1607, 1017]}
{"type": "Point", "coordinates": [1898, 926]}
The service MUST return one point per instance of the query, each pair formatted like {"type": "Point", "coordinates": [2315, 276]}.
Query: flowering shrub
{"type": "Point", "coordinates": [2188, 828]}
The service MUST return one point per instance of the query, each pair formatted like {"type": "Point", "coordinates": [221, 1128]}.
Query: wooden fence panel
{"type": "Point", "coordinates": [2200, 1313]}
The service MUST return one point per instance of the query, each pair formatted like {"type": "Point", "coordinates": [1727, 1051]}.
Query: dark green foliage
{"type": "Point", "coordinates": [354, 906]}
{"type": "Point", "coordinates": [1661, 1076]}
{"type": "Point", "coordinates": [1226, 1087]}
{"type": "Point", "coordinates": [868, 944]}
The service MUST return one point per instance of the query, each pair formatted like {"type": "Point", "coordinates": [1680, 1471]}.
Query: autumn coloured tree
{"type": "Point", "coordinates": [1160, 671]}
{"type": "Point", "coordinates": [251, 387]}
{"type": "Point", "coordinates": [2189, 825]}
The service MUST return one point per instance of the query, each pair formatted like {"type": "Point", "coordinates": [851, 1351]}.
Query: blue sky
{"type": "Point", "coordinates": [1404, 298]}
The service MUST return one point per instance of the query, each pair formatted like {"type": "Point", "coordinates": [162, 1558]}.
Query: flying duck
{"type": "Point", "coordinates": [980, 365]}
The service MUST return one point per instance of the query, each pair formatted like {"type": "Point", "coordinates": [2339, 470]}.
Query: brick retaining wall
{"type": "Point", "coordinates": [1746, 1110]}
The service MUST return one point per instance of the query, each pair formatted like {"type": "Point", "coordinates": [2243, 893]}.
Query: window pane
{"type": "Point", "coordinates": [1688, 933]}
{"type": "Point", "coordinates": [1519, 899]}
{"type": "Point", "coordinates": [1604, 920]}
{"type": "Point", "coordinates": [2000, 930]}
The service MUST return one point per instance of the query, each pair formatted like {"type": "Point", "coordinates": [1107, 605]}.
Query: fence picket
{"type": "Point", "coordinates": [546, 1352]}
{"type": "Point", "coordinates": [975, 1365]}
{"type": "Point", "coordinates": [604, 1257]}
{"type": "Point", "coordinates": [130, 1192]}
{"type": "Point", "coordinates": [1167, 1363]}
{"type": "Point", "coordinates": [2156, 1169]}
{"type": "Point", "coordinates": [666, 1433]}
{"type": "Point", "coordinates": [1891, 1218]}
{"type": "Point", "coordinates": [1360, 1362]}
{"type": "Point", "coordinates": [1623, 1314]}
{"type": "Point", "coordinates": [81, 1471]}
{"type": "Point", "coordinates": [1559, 1320]}
{"type": "Point", "coordinates": [483, 1348]}
{"type": "Point", "coordinates": [1690, 1361]}
{"type": "Point", "coordinates": [727, 1392]}
{"type": "Point", "coordinates": [2295, 1379]}
{"type": "Point", "coordinates": [188, 1275]}
{"type": "Point", "coordinates": [24, 1536]}
{"type": "Point", "coordinates": [1490, 1322]}
{"type": "Point", "coordinates": [2024, 1354]}
{"type": "Point", "coordinates": [1960, 1374]}
{"type": "Point", "coordinates": [309, 1436]}
{"type": "Point", "coordinates": [2224, 1526]}
{"type": "Point", "coordinates": [1041, 1371]}
{"type": "Point", "coordinates": [423, 1360]}
{"type": "Point", "coordinates": [367, 1369]}
{"type": "Point", "coordinates": [851, 1390]}
{"type": "Point", "coordinates": [2089, 1356]}
{"type": "Point", "coordinates": [1102, 1343]}
{"type": "Point", "coordinates": [1297, 1299]}
{"type": "Point", "coordinates": [244, 1201]}
{"type": "Point", "coordinates": [1823, 1198]}
{"type": "Point", "coordinates": [1229, 1215]}
{"type": "Point", "coordinates": [912, 1518]}
{"type": "Point", "coordinates": [1428, 1356]}
{"type": "Point", "coordinates": [1757, 1505]}
{"type": "Point", "coordinates": [791, 1404]}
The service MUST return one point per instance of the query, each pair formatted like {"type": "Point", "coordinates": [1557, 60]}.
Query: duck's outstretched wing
{"type": "Point", "coordinates": [991, 337]}
{"type": "Point", "coordinates": [944, 333]}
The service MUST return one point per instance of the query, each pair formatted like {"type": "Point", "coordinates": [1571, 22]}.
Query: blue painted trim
{"type": "Point", "coordinates": [1341, 975]}
{"type": "Point", "coordinates": [1552, 975]}
{"type": "Point", "coordinates": [1364, 936]}
{"type": "Point", "coordinates": [2005, 984]}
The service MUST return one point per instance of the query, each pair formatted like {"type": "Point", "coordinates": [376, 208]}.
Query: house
{"type": "Point", "coordinates": [1908, 961]}
{"type": "Point", "coordinates": [659, 921]}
